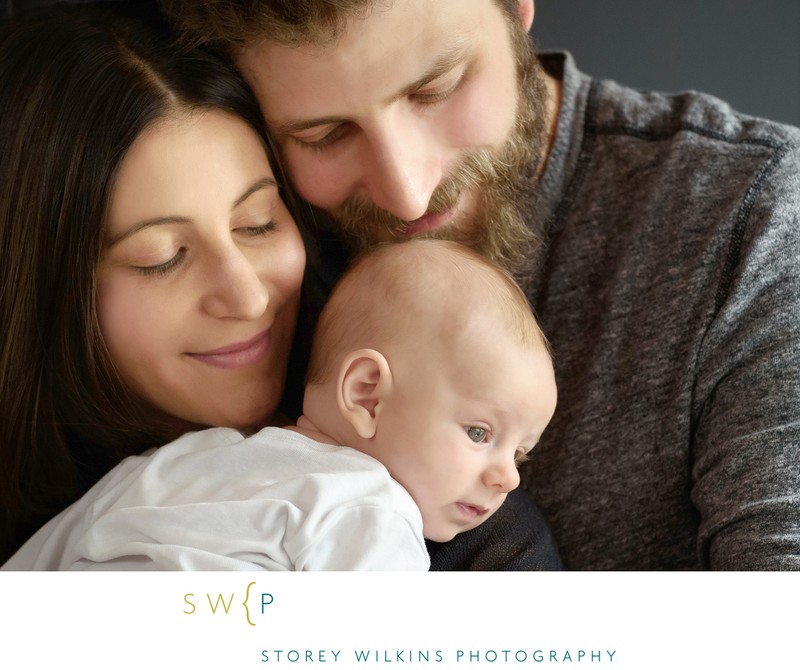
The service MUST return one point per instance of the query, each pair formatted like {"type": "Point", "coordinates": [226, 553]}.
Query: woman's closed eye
{"type": "Point", "coordinates": [164, 268]}
{"type": "Point", "coordinates": [257, 231]}
{"type": "Point", "coordinates": [173, 263]}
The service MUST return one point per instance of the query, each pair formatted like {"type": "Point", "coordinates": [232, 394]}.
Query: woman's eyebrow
{"type": "Point", "coordinates": [266, 182]}
{"type": "Point", "coordinates": [147, 223]}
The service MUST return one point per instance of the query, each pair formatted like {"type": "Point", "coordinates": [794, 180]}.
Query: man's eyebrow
{"type": "Point", "coordinates": [291, 127]}
{"type": "Point", "coordinates": [450, 59]}
{"type": "Point", "coordinates": [266, 182]}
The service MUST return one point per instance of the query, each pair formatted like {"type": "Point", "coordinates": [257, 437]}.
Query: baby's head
{"type": "Point", "coordinates": [428, 358]}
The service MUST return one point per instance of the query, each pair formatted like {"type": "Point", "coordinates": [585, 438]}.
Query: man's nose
{"type": "Point", "coordinates": [403, 169]}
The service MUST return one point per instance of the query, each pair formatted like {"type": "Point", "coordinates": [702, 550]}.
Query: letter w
{"type": "Point", "coordinates": [214, 606]}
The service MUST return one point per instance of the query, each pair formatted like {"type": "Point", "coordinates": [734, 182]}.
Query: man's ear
{"type": "Point", "coordinates": [364, 381]}
{"type": "Point", "coordinates": [526, 11]}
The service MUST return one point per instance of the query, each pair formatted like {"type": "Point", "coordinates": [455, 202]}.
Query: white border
{"type": "Point", "coordinates": [641, 621]}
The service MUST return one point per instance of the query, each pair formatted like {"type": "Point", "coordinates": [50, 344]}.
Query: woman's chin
{"type": "Point", "coordinates": [250, 422]}
{"type": "Point", "coordinates": [242, 418]}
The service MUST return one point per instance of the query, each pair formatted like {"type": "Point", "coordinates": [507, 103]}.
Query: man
{"type": "Point", "coordinates": [657, 238]}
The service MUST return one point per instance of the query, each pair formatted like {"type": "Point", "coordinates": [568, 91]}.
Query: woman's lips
{"type": "Point", "coordinates": [237, 355]}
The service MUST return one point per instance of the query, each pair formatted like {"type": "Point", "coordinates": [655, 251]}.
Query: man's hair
{"type": "Point", "coordinates": [225, 24]}
{"type": "Point", "coordinates": [417, 289]}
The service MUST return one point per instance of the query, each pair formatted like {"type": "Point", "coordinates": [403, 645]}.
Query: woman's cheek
{"type": "Point", "coordinates": [292, 262]}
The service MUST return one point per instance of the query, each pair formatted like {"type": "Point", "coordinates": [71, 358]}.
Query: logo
{"type": "Point", "coordinates": [249, 606]}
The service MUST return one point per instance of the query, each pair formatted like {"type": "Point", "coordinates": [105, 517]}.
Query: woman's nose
{"type": "Point", "coordinates": [234, 289]}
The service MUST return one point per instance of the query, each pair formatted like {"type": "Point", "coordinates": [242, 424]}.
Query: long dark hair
{"type": "Point", "coordinates": [77, 87]}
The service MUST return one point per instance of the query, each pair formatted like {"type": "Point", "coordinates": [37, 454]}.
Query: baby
{"type": "Point", "coordinates": [427, 363]}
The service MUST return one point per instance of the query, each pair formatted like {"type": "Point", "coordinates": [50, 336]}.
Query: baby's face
{"type": "Point", "coordinates": [459, 422]}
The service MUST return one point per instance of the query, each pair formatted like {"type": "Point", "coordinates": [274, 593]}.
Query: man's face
{"type": "Point", "coordinates": [414, 122]}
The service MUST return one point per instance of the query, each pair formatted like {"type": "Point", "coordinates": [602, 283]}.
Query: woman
{"type": "Point", "coordinates": [151, 274]}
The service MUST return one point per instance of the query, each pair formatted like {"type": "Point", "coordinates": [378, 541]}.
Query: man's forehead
{"type": "Point", "coordinates": [377, 57]}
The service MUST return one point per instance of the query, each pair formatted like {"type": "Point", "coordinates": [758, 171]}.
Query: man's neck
{"type": "Point", "coordinates": [554, 94]}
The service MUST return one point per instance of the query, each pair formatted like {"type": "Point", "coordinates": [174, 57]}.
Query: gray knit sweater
{"type": "Point", "coordinates": [669, 286]}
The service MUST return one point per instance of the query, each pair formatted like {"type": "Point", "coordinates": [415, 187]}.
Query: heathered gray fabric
{"type": "Point", "coordinates": [669, 287]}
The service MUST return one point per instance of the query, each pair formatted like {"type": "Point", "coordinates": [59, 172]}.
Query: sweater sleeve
{"type": "Point", "coordinates": [746, 473]}
{"type": "Point", "coordinates": [515, 538]}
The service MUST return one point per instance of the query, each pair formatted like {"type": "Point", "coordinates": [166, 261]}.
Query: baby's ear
{"type": "Point", "coordinates": [364, 382]}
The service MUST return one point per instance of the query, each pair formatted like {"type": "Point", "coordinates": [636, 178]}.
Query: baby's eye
{"type": "Point", "coordinates": [476, 433]}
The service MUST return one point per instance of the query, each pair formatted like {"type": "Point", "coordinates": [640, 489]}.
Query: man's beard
{"type": "Point", "coordinates": [500, 182]}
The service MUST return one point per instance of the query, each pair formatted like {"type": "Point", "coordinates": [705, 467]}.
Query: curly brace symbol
{"type": "Point", "coordinates": [246, 608]}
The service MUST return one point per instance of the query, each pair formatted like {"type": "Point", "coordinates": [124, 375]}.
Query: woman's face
{"type": "Point", "coordinates": [199, 279]}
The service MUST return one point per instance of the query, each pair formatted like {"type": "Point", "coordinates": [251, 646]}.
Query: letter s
{"type": "Point", "coordinates": [190, 603]}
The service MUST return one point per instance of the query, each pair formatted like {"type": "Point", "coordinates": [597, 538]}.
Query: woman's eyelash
{"type": "Point", "coordinates": [255, 231]}
{"type": "Point", "coordinates": [162, 268]}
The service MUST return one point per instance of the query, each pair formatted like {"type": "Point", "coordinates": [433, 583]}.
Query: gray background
{"type": "Point", "coordinates": [744, 51]}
